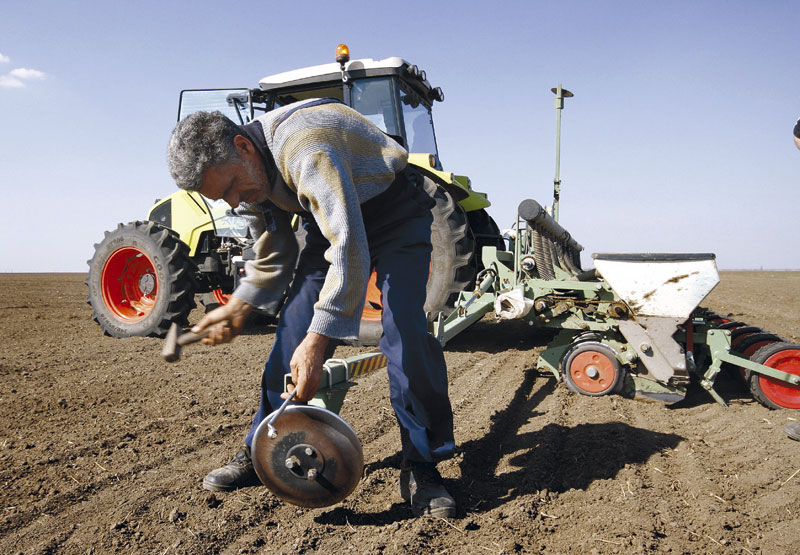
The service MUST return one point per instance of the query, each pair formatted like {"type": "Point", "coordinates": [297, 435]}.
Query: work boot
{"type": "Point", "coordinates": [422, 485]}
{"type": "Point", "coordinates": [239, 473]}
{"type": "Point", "coordinates": [792, 429]}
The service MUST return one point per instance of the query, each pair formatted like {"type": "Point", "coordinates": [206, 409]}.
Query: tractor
{"type": "Point", "coordinates": [144, 275]}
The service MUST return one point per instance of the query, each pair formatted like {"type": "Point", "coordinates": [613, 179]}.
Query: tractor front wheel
{"type": "Point", "coordinates": [141, 279]}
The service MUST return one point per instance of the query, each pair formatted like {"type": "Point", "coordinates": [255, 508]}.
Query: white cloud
{"type": "Point", "coordinates": [15, 79]}
{"type": "Point", "coordinates": [4, 59]}
{"type": "Point", "coordinates": [8, 82]}
{"type": "Point", "coordinates": [25, 73]}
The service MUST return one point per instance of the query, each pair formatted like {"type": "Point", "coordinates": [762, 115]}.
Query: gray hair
{"type": "Point", "coordinates": [200, 141]}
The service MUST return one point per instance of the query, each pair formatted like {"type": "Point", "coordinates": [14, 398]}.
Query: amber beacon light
{"type": "Point", "coordinates": [342, 54]}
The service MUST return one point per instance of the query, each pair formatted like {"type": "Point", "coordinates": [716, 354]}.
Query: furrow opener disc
{"type": "Point", "coordinates": [316, 460]}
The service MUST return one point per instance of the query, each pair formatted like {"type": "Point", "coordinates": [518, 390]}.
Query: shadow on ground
{"type": "Point", "coordinates": [555, 458]}
{"type": "Point", "coordinates": [487, 336]}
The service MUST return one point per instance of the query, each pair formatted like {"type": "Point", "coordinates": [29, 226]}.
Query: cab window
{"type": "Point", "coordinates": [234, 103]}
{"type": "Point", "coordinates": [418, 123]}
{"type": "Point", "coordinates": [296, 96]}
{"type": "Point", "coordinates": [375, 100]}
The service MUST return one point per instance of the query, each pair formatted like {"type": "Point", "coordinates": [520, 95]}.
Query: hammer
{"type": "Point", "coordinates": [175, 340]}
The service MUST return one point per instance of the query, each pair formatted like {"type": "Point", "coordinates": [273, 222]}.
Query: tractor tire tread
{"type": "Point", "coordinates": [179, 277]}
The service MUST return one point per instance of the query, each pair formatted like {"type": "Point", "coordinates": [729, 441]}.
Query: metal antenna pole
{"type": "Point", "coordinates": [558, 104]}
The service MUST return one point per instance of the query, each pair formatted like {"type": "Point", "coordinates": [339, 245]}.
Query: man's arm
{"type": "Point", "coordinates": [333, 158]}
{"type": "Point", "coordinates": [266, 277]}
{"type": "Point", "coordinates": [269, 274]}
{"type": "Point", "coordinates": [334, 205]}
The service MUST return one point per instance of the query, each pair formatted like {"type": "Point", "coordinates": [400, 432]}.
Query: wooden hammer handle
{"type": "Point", "coordinates": [173, 342]}
{"type": "Point", "coordinates": [191, 337]}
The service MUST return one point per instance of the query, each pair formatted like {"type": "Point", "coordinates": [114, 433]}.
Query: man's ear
{"type": "Point", "coordinates": [243, 146]}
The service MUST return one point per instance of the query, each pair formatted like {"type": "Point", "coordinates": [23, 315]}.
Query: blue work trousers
{"type": "Point", "coordinates": [398, 226]}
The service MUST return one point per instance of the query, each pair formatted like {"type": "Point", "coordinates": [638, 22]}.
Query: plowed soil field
{"type": "Point", "coordinates": [104, 446]}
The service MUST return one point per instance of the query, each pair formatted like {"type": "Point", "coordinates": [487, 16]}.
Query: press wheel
{"type": "Point", "coordinates": [771, 392]}
{"type": "Point", "coordinates": [315, 460]}
{"type": "Point", "coordinates": [740, 334]}
{"type": "Point", "coordinates": [591, 368]}
{"type": "Point", "coordinates": [748, 346]}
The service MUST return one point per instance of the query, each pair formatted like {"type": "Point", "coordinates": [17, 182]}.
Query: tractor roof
{"type": "Point", "coordinates": [366, 67]}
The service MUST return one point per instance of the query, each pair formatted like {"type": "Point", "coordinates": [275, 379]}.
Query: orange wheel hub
{"type": "Point", "coordinates": [593, 371]}
{"type": "Point", "coordinates": [129, 284]}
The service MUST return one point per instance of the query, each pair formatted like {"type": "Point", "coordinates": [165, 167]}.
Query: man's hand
{"type": "Point", "coordinates": [224, 323]}
{"type": "Point", "coordinates": [306, 366]}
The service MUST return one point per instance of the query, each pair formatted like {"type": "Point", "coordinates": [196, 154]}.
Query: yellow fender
{"type": "Point", "coordinates": [186, 213]}
{"type": "Point", "coordinates": [459, 186]}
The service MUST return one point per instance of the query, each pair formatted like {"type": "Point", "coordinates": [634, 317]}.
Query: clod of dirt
{"type": "Point", "coordinates": [117, 526]}
{"type": "Point", "coordinates": [471, 525]}
{"type": "Point", "coordinates": [175, 515]}
{"type": "Point", "coordinates": [212, 502]}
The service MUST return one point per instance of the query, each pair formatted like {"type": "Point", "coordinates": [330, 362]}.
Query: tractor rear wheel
{"type": "Point", "coordinates": [450, 272]}
{"type": "Point", "coordinates": [486, 233]}
{"type": "Point", "coordinates": [771, 392]}
{"type": "Point", "coordinates": [141, 279]}
{"type": "Point", "coordinates": [591, 368]}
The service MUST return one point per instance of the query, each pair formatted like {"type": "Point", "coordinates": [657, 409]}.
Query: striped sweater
{"type": "Point", "coordinates": [329, 160]}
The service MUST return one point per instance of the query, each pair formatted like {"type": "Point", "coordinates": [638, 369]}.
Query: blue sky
{"type": "Point", "coordinates": [678, 138]}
